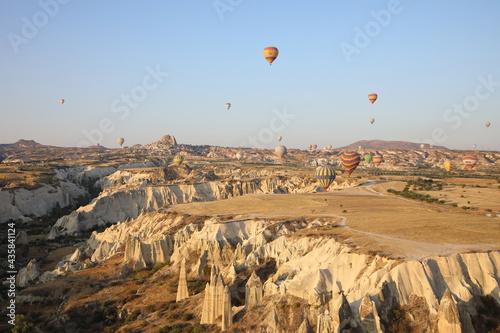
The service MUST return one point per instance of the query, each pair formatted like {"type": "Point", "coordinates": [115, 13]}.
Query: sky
{"type": "Point", "coordinates": [143, 69]}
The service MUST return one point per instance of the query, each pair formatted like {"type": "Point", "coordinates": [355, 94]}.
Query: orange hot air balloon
{"type": "Point", "coordinates": [372, 97]}
{"type": "Point", "coordinates": [61, 101]}
{"type": "Point", "coordinates": [350, 160]}
{"type": "Point", "coordinates": [377, 159]}
{"type": "Point", "coordinates": [270, 53]}
{"type": "Point", "coordinates": [470, 161]}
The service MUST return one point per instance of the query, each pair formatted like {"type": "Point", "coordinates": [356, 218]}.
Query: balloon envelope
{"type": "Point", "coordinates": [470, 161]}
{"type": "Point", "coordinates": [228, 105]}
{"type": "Point", "coordinates": [372, 97]}
{"type": "Point", "coordinates": [326, 175]}
{"type": "Point", "coordinates": [309, 147]}
{"type": "Point", "coordinates": [315, 146]}
{"type": "Point", "coordinates": [120, 141]}
{"type": "Point", "coordinates": [61, 101]}
{"type": "Point", "coordinates": [372, 120]}
{"type": "Point", "coordinates": [350, 160]}
{"type": "Point", "coordinates": [279, 138]}
{"type": "Point", "coordinates": [280, 151]}
{"type": "Point", "coordinates": [270, 53]}
{"type": "Point", "coordinates": [377, 159]}
{"type": "Point", "coordinates": [447, 165]}
{"type": "Point", "coordinates": [487, 124]}
{"type": "Point", "coordinates": [239, 155]}
{"type": "Point", "coordinates": [368, 158]}
{"type": "Point", "coordinates": [178, 159]}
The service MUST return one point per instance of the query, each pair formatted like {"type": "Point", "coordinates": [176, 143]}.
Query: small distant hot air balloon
{"type": "Point", "coordinates": [329, 147]}
{"type": "Point", "coordinates": [350, 160]}
{"type": "Point", "coordinates": [178, 159]}
{"type": "Point", "coordinates": [447, 165]}
{"type": "Point", "coordinates": [279, 138]}
{"type": "Point", "coordinates": [377, 159]}
{"type": "Point", "coordinates": [326, 175]}
{"type": "Point", "coordinates": [372, 97]}
{"type": "Point", "coordinates": [228, 105]}
{"type": "Point", "coordinates": [474, 146]}
{"type": "Point", "coordinates": [368, 158]}
{"type": "Point", "coordinates": [372, 120]}
{"type": "Point", "coordinates": [239, 155]}
{"type": "Point", "coordinates": [315, 146]}
{"type": "Point", "coordinates": [309, 147]}
{"type": "Point", "coordinates": [487, 124]}
{"type": "Point", "coordinates": [280, 151]}
{"type": "Point", "coordinates": [270, 53]}
{"type": "Point", "coordinates": [61, 101]}
{"type": "Point", "coordinates": [470, 161]}
{"type": "Point", "coordinates": [422, 146]}
{"type": "Point", "coordinates": [431, 146]}
{"type": "Point", "coordinates": [120, 141]}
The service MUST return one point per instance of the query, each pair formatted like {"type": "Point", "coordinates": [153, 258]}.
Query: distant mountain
{"type": "Point", "coordinates": [381, 144]}
{"type": "Point", "coordinates": [23, 144]}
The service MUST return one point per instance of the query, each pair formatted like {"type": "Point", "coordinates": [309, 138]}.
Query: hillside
{"type": "Point", "coordinates": [382, 144]}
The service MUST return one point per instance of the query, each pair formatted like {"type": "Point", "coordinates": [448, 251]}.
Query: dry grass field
{"type": "Point", "coordinates": [374, 222]}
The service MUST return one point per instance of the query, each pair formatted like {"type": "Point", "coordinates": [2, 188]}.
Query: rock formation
{"type": "Point", "coordinates": [325, 323]}
{"type": "Point", "coordinates": [217, 301]}
{"type": "Point", "coordinates": [182, 289]}
{"type": "Point", "coordinates": [149, 252]}
{"type": "Point", "coordinates": [253, 291]}
{"type": "Point", "coordinates": [28, 274]}
{"type": "Point", "coordinates": [448, 315]}
{"type": "Point", "coordinates": [369, 316]}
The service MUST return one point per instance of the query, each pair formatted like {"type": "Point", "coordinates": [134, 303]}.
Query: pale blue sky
{"type": "Point", "coordinates": [423, 58]}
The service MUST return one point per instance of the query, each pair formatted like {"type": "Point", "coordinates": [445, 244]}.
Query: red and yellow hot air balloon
{"type": "Point", "coordinates": [470, 161]}
{"type": "Point", "coordinates": [270, 53]}
{"type": "Point", "coordinates": [377, 159]}
{"type": "Point", "coordinates": [350, 160]}
{"type": "Point", "coordinates": [326, 175]}
{"type": "Point", "coordinates": [372, 97]}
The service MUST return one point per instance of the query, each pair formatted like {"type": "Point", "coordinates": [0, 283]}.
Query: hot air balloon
{"type": "Point", "coordinates": [422, 146]}
{"type": "Point", "coordinates": [329, 147]}
{"type": "Point", "coordinates": [239, 155]}
{"type": "Point", "coordinates": [61, 101]}
{"type": "Point", "coordinates": [326, 175]}
{"type": "Point", "coordinates": [350, 161]}
{"type": "Point", "coordinates": [372, 97]}
{"type": "Point", "coordinates": [270, 53]}
{"type": "Point", "coordinates": [447, 165]}
{"type": "Point", "coordinates": [487, 124]}
{"type": "Point", "coordinates": [309, 147]}
{"type": "Point", "coordinates": [121, 141]}
{"type": "Point", "coordinates": [279, 138]}
{"type": "Point", "coordinates": [178, 159]}
{"type": "Point", "coordinates": [431, 146]}
{"type": "Point", "coordinates": [280, 151]}
{"type": "Point", "coordinates": [470, 161]}
{"type": "Point", "coordinates": [474, 146]}
{"type": "Point", "coordinates": [368, 158]}
{"type": "Point", "coordinates": [315, 146]}
{"type": "Point", "coordinates": [377, 159]}
{"type": "Point", "coordinates": [228, 105]}
{"type": "Point", "coordinates": [372, 120]}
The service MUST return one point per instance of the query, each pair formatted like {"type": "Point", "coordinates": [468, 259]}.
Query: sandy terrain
{"type": "Point", "coordinates": [372, 221]}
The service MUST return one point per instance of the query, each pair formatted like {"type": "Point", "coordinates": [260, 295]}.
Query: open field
{"type": "Point", "coordinates": [391, 225]}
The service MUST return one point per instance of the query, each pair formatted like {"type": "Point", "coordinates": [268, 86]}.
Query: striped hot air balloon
{"type": "Point", "coordinates": [368, 158]}
{"type": "Point", "coordinates": [326, 175]}
{"type": "Point", "coordinates": [470, 161]}
{"type": "Point", "coordinates": [178, 159]}
{"type": "Point", "coordinates": [447, 165]}
{"type": "Point", "coordinates": [270, 53]}
{"type": "Point", "coordinates": [372, 97]}
{"type": "Point", "coordinates": [377, 159]}
{"type": "Point", "coordinates": [350, 160]}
